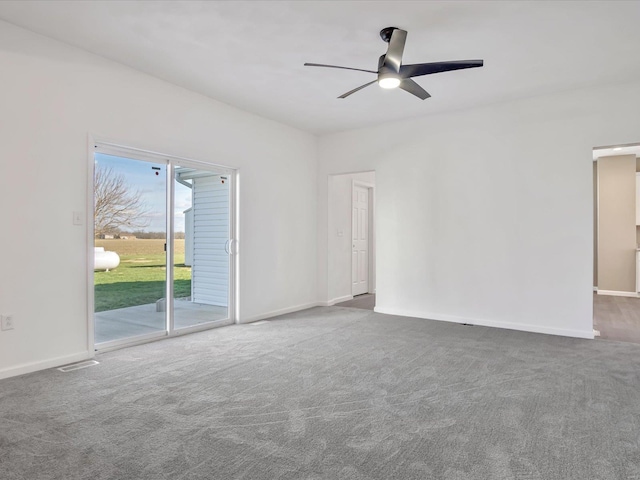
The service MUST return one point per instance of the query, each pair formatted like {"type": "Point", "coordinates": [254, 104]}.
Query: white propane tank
{"type": "Point", "coordinates": [105, 260]}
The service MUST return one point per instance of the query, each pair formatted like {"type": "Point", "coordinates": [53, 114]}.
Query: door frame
{"type": "Point", "coordinates": [110, 147]}
{"type": "Point", "coordinates": [371, 238]}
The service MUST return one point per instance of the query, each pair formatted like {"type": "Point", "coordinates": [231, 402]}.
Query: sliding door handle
{"type": "Point", "coordinates": [231, 246]}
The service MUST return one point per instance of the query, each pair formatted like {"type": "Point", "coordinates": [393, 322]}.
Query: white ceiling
{"type": "Point", "coordinates": [251, 54]}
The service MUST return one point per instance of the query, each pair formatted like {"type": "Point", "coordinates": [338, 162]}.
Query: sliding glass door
{"type": "Point", "coordinates": [148, 283]}
{"type": "Point", "coordinates": [201, 247]}
{"type": "Point", "coordinates": [129, 248]}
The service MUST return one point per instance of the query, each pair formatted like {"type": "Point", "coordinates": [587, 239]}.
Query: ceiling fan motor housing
{"type": "Point", "coordinates": [386, 33]}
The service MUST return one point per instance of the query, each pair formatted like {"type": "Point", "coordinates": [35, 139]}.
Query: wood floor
{"type": "Point", "coordinates": [617, 318]}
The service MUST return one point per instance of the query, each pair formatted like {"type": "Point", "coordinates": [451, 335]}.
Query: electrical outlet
{"type": "Point", "coordinates": [6, 322]}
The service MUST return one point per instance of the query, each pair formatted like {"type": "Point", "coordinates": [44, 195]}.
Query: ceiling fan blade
{"type": "Point", "coordinates": [393, 58]}
{"type": "Point", "coordinates": [412, 87]}
{"type": "Point", "coordinates": [335, 66]}
{"type": "Point", "coordinates": [418, 69]}
{"type": "Point", "coordinates": [345, 95]}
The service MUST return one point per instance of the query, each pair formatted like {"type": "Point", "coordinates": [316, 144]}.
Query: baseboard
{"type": "Point", "coordinates": [333, 301]}
{"type": "Point", "coordinates": [44, 364]}
{"type": "Point", "coordinates": [282, 311]}
{"type": "Point", "coordinates": [489, 323]}
{"type": "Point", "coordinates": [595, 289]}
{"type": "Point", "coordinates": [615, 293]}
{"type": "Point", "coordinates": [346, 298]}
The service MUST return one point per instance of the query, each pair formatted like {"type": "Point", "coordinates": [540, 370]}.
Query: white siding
{"type": "Point", "coordinates": [210, 270]}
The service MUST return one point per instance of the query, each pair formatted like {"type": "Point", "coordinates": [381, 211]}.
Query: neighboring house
{"type": "Point", "coordinates": [206, 235]}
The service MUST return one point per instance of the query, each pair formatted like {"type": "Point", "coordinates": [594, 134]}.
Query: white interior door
{"type": "Point", "coordinates": [360, 241]}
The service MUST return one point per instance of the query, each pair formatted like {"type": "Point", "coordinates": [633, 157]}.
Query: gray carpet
{"type": "Point", "coordinates": [366, 302]}
{"type": "Point", "coordinates": [333, 393]}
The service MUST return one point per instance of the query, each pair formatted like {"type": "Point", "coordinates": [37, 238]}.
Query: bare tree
{"type": "Point", "coordinates": [117, 205]}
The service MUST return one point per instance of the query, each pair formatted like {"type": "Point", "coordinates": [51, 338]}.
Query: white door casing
{"type": "Point", "coordinates": [360, 240]}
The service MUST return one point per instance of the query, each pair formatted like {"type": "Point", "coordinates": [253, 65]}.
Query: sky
{"type": "Point", "coordinates": [141, 176]}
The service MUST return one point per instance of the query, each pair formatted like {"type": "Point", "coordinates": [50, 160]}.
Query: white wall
{"type": "Point", "coordinates": [52, 97]}
{"type": "Point", "coordinates": [485, 216]}
{"type": "Point", "coordinates": [339, 247]}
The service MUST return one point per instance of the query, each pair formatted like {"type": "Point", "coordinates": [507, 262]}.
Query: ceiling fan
{"type": "Point", "coordinates": [392, 73]}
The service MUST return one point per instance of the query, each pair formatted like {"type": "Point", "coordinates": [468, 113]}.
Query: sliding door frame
{"type": "Point", "coordinates": [100, 145]}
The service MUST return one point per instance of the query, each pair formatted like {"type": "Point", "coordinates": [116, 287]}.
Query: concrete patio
{"type": "Point", "coordinates": [144, 319]}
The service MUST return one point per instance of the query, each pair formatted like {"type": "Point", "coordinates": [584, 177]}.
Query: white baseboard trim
{"type": "Point", "coordinates": [345, 298]}
{"type": "Point", "coordinates": [78, 357]}
{"type": "Point", "coordinates": [333, 301]}
{"type": "Point", "coordinates": [490, 323]}
{"type": "Point", "coordinates": [275, 313]}
{"type": "Point", "coordinates": [615, 293]}
{"type": "Point", "coordinates": [43, 364]}
{"type": "Point", "coordinates": [595, 289]}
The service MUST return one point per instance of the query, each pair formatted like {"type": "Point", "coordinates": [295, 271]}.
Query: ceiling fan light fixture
{"type": "Point", "coordinates": [389, 82]}
{"type": "Point", "coordinates": [392, 73]}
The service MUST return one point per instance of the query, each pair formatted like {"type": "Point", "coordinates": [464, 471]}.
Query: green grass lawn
{"type": "Point", "coordinates": [140, 277]}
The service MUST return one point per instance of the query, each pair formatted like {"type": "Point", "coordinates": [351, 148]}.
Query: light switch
{"type": "Point", "coordinates": [77, 218]}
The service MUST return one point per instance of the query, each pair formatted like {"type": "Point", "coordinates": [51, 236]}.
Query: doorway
{"type": "Point", "coordinates": [351, 239]}
{"type": "Point", "coordinates": [361, 208]}
{"type": "Point", "coordinates": [163, 246]}
{"type": "Point", "coordinates": [616, 275]}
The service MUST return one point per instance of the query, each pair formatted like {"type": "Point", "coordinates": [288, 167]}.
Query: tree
{"type": "Point", "coordinates": [117, 205]}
